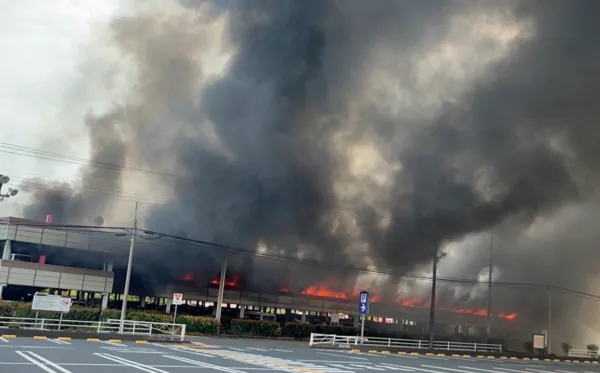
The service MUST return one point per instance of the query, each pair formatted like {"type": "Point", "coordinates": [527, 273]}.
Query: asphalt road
{"type": "Point", "coordinates": [25, 355]}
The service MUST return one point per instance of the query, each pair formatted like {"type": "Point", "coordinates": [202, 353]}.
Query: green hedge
{"type": "Point", "coordinates": [198, 324]}
{"type": "Point", "coordinates": [255, 328]}
{"type": "Point", "coordinates": [297, 330]}
{"type": "Point", "coordinates": [195, 324]}
{"type": "Point", "coordinates": [336, 329]}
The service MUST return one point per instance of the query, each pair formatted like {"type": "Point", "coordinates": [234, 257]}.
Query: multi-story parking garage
{"type": "Point", "coordinates": [90, 262]}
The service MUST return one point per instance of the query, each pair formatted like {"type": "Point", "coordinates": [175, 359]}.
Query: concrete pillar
{"type": "Point", "coordinates": [168, 307]}
{"type": "Point", "coordinates": [105, 297]}
{"type": "Point", "coordinates": [6, 251]}
{"type": "Point", "coordinates": [356, 321]}
{"type": "Point", "coordinates": [242, 308]}
{"type": "Point", "coordinates": [143, 301]}
{"type": "Point", "coordinates": [108, 267]}
{"type": "Point", "coordinates": [304, 316]}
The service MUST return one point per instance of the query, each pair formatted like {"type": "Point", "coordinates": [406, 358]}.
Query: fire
{"type": "Point", "coordinates": [321, 291]}
{"type": "Point", "coordinates": [507, 316]}
{"type": "Point", "coordinates": [232, 282]}
{"type": "Point", "coordinates": [189, 277]}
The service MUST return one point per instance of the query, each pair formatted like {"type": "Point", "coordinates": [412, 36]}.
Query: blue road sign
{"type": "Point", "coordinates": [363, 303]}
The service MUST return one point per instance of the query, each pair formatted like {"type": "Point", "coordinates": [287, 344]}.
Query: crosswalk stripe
{"type": "Point", "coordinates": [450, 369]}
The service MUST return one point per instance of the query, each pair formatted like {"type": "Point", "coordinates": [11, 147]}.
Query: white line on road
{"type": "Point", "coordinates": [338, 355]}
{"type": "Point", "coordinates": [3, 340]}
{"type": "Point", "coordinates": [396, 367]}
{"type": "Point", "coordinates": [129, 363]}
{"type": "Point", "coordinates": [28, 358]}
{"type": "Point", "coordinates": [450, 369]}
{"type": "Point", "coordinates": [480, 369]}
{"type": "Point", "coordinates": [45, 364]}
{"type": "Point", "coordinates": [113, 344]}
{"type": "Point", "coordinates": [201, 363]}
{"type": "Point", "coordinates": [58, 341]}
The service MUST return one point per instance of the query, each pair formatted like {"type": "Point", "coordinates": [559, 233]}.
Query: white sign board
{"type": "Point", "coordinates": [177, 299]}
{"type": "Point", "coordinates": [539, 341]}
{"type": "Point", "coordinates": [45, 302]}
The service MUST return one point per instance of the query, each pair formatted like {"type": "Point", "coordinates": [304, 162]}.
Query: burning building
{"type": "Point", "coordinates": [364, 134]}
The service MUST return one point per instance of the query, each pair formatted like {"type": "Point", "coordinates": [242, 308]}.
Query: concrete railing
{"type": "Point", "coordinates": [345, 341]}
{"type": "Point", "coordinates": [130, 327]}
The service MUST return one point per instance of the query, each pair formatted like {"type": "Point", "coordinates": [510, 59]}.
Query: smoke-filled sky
{"type": "Point", "coordinates": [365, 133]}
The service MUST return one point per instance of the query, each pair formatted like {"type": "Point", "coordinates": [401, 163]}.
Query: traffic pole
{"type": "Point", "coordinates": [362, 328]}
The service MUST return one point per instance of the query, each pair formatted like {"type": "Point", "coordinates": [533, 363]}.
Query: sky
{"type": "Point", "coordinates": [45, 47]}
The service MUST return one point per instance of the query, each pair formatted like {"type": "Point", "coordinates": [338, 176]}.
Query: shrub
{"type": "Point", "coordinates": [298, 330]}
{"type": "Point", "coordinates": [336, 329]}
{"type": "Point", "coordinates": [6, 309]}
{"type": "Point", "coordinates": [592, 347]}
{"type": "Point", "coordinates": [255, 328]}
{"type": "Point", "coordinates": [150, 316]}
{"type": "Point", "coordinates": [198, 324]}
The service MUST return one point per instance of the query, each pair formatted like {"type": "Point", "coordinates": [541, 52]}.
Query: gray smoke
{"type": "Point", "coordinates": [268, 175]}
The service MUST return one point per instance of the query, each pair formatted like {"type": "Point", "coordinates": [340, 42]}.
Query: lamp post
{"type": "Point", "coordinates": [10, 193]}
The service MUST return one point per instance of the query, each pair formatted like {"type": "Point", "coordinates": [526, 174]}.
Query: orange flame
{"type": "Point", "coordinates": [233, 282]}
{"type": "Point", "coordinates": [510, 316]}
{"type": "Point", "coordinates": [189, 277]}
{"type": "Point", "coordinates": [321, 291]}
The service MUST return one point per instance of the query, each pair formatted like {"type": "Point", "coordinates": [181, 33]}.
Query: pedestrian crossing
{"type": "Point", "coordinates": [397, 364]}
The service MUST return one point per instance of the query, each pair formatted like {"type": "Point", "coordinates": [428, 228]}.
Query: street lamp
{"type": "Point", "coordinates": [11, 192]}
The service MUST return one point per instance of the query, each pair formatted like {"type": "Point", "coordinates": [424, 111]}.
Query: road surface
{"type": "Point", "coordinates": [212, 355]}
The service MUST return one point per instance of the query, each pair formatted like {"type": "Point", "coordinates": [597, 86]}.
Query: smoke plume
{"type": "Point", "coordinates": [368, 134]}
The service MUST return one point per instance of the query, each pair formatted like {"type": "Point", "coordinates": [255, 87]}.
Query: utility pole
{"type": "Point", "coordinates": [489, 305]}
{"type": "Point", "coordinates": [549, 341]}
{"type": "Point", "coordinates": [433, 293]}
{"type": "Point", "coordinates": [221, 291]}
{"type": "Point", "coordinates": [128, 275]}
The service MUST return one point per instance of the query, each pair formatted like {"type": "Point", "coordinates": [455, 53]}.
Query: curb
{"type": "Point", "coordinates": [491, 357]}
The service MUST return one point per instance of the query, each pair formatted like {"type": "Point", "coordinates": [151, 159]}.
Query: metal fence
{"type": "Point", "coordinates": [573, 352]}
{"type": "Point", "coordinates": [142, 328]}
{"type": "Point", "coordinates": [346, 341]}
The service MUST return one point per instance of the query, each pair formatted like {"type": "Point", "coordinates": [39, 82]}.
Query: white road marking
{"type": "Point", "coordinates": [37, 347]}
{"type": "Point", "coordinates": [481, 369]}
{"type": "Point", "coordinates": [257, 349]}
{"type": "Point", "coordinates": [28, 358]}
{"type": "Point", "coordinates": [113, 343]}
{"type": "Point", "coordinates": [368, 367]}
{"type": "Point", "coordinates": [281, 350]}
{"type": "Point", "coordinates": [58, 341]}
{"type": "Point", "coordinates": [338, 355]}
{"type": "Point", "coordinates": [201, 364]}
{"type": "Point", "coordinates": [396, 367]}
{"type": "Point", "coordinates": [4, 340]}
{"type": "Point", "coordinates": [129, 363]}
{"type": "Point", "coordinates": [450, 369]}
{"type": "Point", "coordinates": [45, 363]}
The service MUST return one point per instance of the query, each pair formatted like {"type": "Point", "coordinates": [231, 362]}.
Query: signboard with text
{"type": "Point", "coordinates": [46, 302]}
{"type": "Point", "coordinates": [177, 299]}
{"type": "Point", "coordinates": [363, 303]}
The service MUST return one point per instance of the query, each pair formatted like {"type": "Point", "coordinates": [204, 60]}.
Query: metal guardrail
{"type": "Point", "coordinates": [143, 328]}
{"type": "Point", "coordinates": [573, 352]}
{"type": "Point", "coordinates": [345, 341]}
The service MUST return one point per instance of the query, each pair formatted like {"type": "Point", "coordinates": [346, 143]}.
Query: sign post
{"type": "Point", "coordinates": [177, 300]}
{"type": "Point", "coordinates": [47, 302]}
{"type": "Point", "coordinates": [363, 310]}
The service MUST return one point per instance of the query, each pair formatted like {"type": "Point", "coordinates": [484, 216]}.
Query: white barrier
{"type": "Point", "coordinates": [573, 352]}
{"type": "Point", "coordinates": [347, 341]}
{"type": "Point", "coordinates": [143, 328]}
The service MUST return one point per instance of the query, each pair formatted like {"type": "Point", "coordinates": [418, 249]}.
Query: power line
{"type": "Point", "coordinates": [57, 157]}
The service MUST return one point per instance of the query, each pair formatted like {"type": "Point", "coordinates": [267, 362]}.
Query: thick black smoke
{"type": "Point", "coordinates": [265, 148]}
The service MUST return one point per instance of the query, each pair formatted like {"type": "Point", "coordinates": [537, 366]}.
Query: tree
{"type": "Point", "coordinates": [592, 347]}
